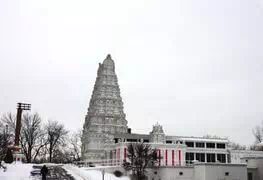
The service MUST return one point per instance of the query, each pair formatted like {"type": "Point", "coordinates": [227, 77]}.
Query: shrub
{"type": "Point", "coordinates": [118, 173]}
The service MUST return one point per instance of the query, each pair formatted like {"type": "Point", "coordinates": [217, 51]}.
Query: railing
{"type": "Point", "coordinates": [94, 163]}
{"type": "Point", "coordinates": [114, 162]}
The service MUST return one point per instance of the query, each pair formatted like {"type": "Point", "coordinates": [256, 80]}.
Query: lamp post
{"type": "Point", "coordinates": [16, 148]}
{"type": "Point", "coordinates": [103, 173]}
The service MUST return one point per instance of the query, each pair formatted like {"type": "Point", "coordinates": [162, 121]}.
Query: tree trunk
{"type": "Point", "coordinates": [50, 154]}
{"type": "Point", "coordinates": [29, 155]}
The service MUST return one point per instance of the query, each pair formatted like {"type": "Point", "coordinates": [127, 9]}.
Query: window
{"type": "Point", "coordinates": [200, 157]}
{"type": "Point", "coordinates": [210, 157]}
{"type": "Point", "coordinates": [189, 144]}
{"type": "Point", "coordinates": [200, 145]}
{"type": "Point", "coordinates": [168, 142]}
{"type": "Point", "coordinates": [210, 145]}
{"type": "Point", "coordinates": [132, 140]}
{"type": "Point", "coordinates": [189, 157]}
{"type": "Point", "coordinates": [221, 158]}
{"type": "Point", "coordinates": [220, 145]}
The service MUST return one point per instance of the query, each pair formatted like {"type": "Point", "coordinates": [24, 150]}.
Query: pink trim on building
{"type": "Point", "coordinates": [179, 157]}
{"type": "Point", "coordinates": [166, 157]}
{"type": "Point", "coordinates": [172, 157]}
{"type": "Point", "coordinates": [159, 156]}
{"type": "Point", "coordinates": [125, 153]}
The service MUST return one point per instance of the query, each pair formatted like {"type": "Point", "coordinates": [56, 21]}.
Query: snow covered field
{"type": "Point", "coordinates": [91, 173]}
{"type": "Point", "coordinates": [16, 172]}
{"type": "Point", "coordinates": [22, 172]}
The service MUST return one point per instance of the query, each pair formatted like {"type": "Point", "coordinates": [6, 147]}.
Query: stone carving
{"type": "Point", "coordinates": [105, 113]}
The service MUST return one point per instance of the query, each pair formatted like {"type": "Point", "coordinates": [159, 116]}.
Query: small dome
{"type": "Point", "coordinates": [108, 61]}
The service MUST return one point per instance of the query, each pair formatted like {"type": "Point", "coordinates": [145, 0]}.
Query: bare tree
{"type": "Point", "coordinates": [212, 136]}
{"type": "Point", "coordinates": [5, 140]}
{"type": "Point", "coordinates": [75, 145]}
{"type": "Point", "coordinates": [56, 136]}
{"type": "Point", "coordinates": [32, 136]}
{"type": "Point", "coordinates": [236, 146]}
{"type": "Point", "coordinates": [6, 133]}
{"type": "Point", "coordinates": [258, 133]}
{"type": "Point", "coordinates": [62, 155]}
{"type": "Point", "coordinates": [9, 119]}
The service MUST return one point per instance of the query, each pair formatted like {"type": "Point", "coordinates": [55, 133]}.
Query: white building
{"type": "Point", "coordinates": [106, 137]}
{"type": "Point", "coordinates": [179, 150]}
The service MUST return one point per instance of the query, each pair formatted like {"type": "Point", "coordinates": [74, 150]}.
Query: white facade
{"type": "Point", "coordinates": [220, 172]}
{"type": "Point", "coordinates": [237, 155]}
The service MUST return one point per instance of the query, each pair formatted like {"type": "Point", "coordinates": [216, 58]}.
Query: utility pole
{"type": "Point", "coordinates": [20, 108]}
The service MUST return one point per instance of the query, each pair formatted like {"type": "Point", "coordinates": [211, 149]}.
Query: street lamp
{"type": "Point", "coordinates": [103, 173]}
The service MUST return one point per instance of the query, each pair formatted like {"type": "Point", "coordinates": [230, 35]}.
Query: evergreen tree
{"type": "Point", "coordinates": [9, 156]}
{"type": "Point", "coordinates": [140, 156]}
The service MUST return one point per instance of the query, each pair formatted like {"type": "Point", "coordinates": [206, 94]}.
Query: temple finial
{"type": "Point", "coordinates": [108, 56]}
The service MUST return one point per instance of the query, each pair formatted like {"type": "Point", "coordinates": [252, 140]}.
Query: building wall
{"type": "Point", "coordinates": [218, 172]}
{"type": "Point", "coordinates": [255, 166]}
{"type": "Point", "coordinates": [200, 172]}
{"type": "Point", "coordinates": [236, 155]}
{"type": "Point", "coordinates": [171, 173]}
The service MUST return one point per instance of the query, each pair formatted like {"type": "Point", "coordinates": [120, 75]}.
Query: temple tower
{"type": "Point", "coordinates": [105, 115]}
{"type": "Point", "coordinates": [157, 135]}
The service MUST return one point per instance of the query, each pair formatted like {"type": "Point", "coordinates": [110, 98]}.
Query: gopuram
{"type": "Point", "coordinates": [105, 116]}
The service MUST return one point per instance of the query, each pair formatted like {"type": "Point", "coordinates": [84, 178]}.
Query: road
{"type": "Point", "coordinates": [55, 173]}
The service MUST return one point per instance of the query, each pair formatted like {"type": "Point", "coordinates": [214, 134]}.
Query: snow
{"type": "Point", "coordinates": [16, 171]}
{"type": "Point", "coordinates": [21, 171]}
{"type": "Point", "coordinates": [91, 173]}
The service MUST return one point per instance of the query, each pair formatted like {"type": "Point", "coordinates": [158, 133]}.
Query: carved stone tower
{"type": "Point", "coordinates": [105, 115]}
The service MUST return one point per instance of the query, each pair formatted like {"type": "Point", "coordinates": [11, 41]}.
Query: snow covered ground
{"type": "Point", "coordinates": [16, 172]}
{"type": "Point", "coordinates": [22, 172]}
{"type": "Point", "coordinates": [91, 173]}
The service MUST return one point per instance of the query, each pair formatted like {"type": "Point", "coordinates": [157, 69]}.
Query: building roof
{"type": "Point", "coordinates": [132, 136]}
{"type": "Point", "coordinates": [190, 138]}
{"type": "Point", "coordinates": [180, 138]}
{"type": "Point", "coordinates": [253, 157]}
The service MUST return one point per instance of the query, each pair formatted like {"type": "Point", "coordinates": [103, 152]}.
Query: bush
{"type": "Point", "coordinates": [118, 173]}
{"type": "Point", "coordinates": [9, 156]}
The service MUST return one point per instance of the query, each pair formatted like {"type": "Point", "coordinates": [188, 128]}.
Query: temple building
{"type": "Point", "coordinates": [105, 116]}
{"type": "Point", "coordinates": [106, 135]}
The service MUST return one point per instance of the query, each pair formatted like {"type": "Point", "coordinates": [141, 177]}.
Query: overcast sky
{"type": "Point", "coordinates": [196, 67]}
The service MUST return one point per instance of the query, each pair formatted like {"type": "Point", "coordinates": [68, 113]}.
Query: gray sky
{"type": "Point", "coordinates": [196, 67]}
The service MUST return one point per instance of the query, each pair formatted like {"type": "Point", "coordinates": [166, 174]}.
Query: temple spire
{"type": "Point", "coordinates": [105, 116]}
{"type": "Point", "coordinates": [108, 56]}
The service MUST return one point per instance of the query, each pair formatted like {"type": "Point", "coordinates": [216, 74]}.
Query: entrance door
{"type": "Point", "coordinates": [250, 176]}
